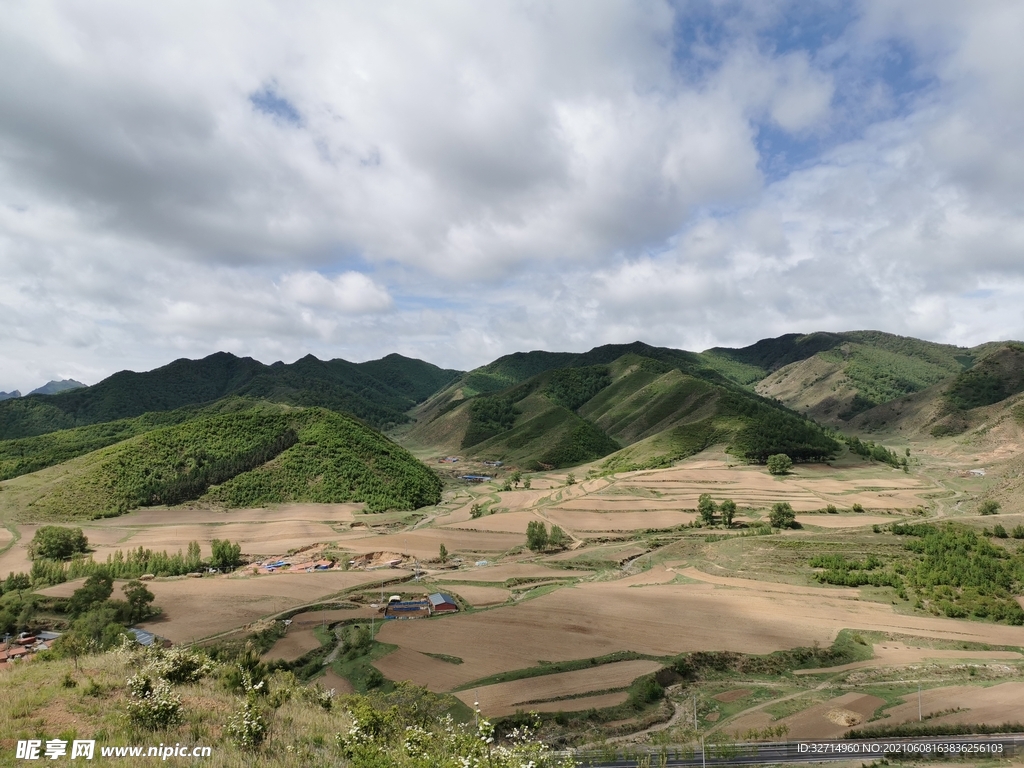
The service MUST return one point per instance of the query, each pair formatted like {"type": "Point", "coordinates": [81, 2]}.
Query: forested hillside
{"type": "Point", "coordinates": [666, 402]}
{"type": "Point", "coordinates": [246, 458]}
{"type": "Point", "coordinates": [378, 392]}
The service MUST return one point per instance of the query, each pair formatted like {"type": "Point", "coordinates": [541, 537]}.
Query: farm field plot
{"type": "Point", "coordinates": [505, 571]}
{"type": "Point", "coordinates": [332, 680]}
{"type": "Point", "coordinates": [197, 608]}
{"type": "Point", "coordinates": [995, 705]}
{"type": "Point", "coordinates": [581, 521]}
{"type": "Point", "coordinates": [845, 521]}
{"type": "Point", "coordinates": [160, 516]}
{"type": "Point", "coordinates": [430, 672]}
{"type": "Point", "coordinates": [255, 538]}
{"type": "Point", "coordinates": [580, 704]}
{"type": "Point", "coordinates": [826, 720]}
{"type": "Point", "coordinates": [505, 698]}
{"type": "Point", "coordinates": [594, 619]}
{"type": "Point", "coordinates": [897, 654]}
{"type": "Point", "coordinates": [425, 542]}
{"type": "Point", "coordinates": [506, 522]}
{"type": "Point", "coordinates": [480, 597]}
{"type": "Point", "coordinates": [809, 488]}
{"type": "Point", "coordinates": [296, 643]}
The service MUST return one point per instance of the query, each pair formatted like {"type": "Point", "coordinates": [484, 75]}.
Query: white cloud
{"type": "Point", "coordinates": [462, 180]}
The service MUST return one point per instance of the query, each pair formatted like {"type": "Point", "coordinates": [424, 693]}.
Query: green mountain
{"type": "Point", "coordinates": [251, 457]}
{"type": "Point", "coordinates": [378, 392]}
{"type": "Point", "coordinates": [53, 387]}
{"type": "Point", "coordinates": [647, 405]}
{"type": "Point", "coordinates": [832, 377]}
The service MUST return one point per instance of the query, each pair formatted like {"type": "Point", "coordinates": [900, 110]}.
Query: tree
{"type": "Point", "coordinates": [706, 508]}
{"type": "Point", "coordinates": [476, 511]}
{"type": "Point", "coordinates": [782, 515]}
{"type": "Point", "coordinates": [536, 535]}
{"type": "Point", "coordinates": [516, 477]}
{"type": "Point", "coordinates": [858, 508]}
{"type": "Point", "coordinates": [225, 554]}
{"type": "Point", "coordinates": [989, 507]}
{"type": "Point", "coordinates": [507, 485]}
{"type": "Point", "coordinates": [526, 483]}
{"type": "Point", "coordinates": [194, 559]}
{"type": "Point", "coordinates": [558, 539]}
{"type": "Point", "coordinates": [442, 554]}
{"type": "Point", "coordinates": [832, 509]}
{"type": "Point", "coordinates": [570, 479]}
{"type": "Point", "coordinates": [139, 601]}
{"type": "Point", "coordinates": [779, 464]}
{"type": "Point", "coordinates": [728, 510]}
{"type": "Point", "coordinates": [93, 593]}
{"type": "Point", "coordinates": [55, 542]}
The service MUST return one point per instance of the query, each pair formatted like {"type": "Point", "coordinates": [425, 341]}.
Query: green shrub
{"type": "Point", "coordinates": [779, 464]}
{"type": "Point", "coordinates": [988, 507]}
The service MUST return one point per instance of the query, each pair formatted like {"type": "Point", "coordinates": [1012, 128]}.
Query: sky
{"type": "Point", "coordinates": [455, 181]}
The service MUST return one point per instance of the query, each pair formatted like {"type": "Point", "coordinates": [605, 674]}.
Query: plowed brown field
{"type": "Point", "coordinates": [197, 608]}
{"type": "Point", "coordinates": [593, 619]}
{"type": "Point", "coordinates": [506, 698]}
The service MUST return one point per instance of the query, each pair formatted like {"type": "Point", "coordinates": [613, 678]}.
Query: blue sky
{"type": "Point", "coordinates": [455, 181]}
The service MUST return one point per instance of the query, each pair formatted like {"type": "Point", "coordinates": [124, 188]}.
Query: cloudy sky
{"type": "Point", "coordinates": [455, 181]}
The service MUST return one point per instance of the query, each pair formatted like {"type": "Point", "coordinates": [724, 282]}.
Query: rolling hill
{"type": "Point", "coordinates": [250, 457]}
{"type": "Point", "coordinates": [562, 409]}
{"type": "Point", "coordinates": [378, 392]}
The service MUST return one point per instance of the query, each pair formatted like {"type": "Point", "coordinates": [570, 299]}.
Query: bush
{"type": "Point", "coordinates": [988, 507]}
{"type": "Point", "coordinates": [152, 705]}
{"type": "Point", "coordinates": [999, 532]}
{"type": "Point", "coordinates": [54, 542]}
{"type": "Point", "coordinates": [779, 464]}
{"type": "Point", "coordinates": [1018, 532]}
{"type": "Point", "coordinates": [782, 515]}
{"type": "Point", "coordinates": [248, 727]}
{"type": "Point", "coordinates": [536, 536]}
{"type": "Point", "coordinates": [859, 509]}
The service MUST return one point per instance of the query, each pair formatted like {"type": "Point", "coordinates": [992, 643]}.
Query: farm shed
{"type": "Point", "coordinates": [442, 603]}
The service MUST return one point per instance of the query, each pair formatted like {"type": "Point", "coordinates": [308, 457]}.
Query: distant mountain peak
{"type": "Point", "coordinates": [53, 387]}
{"type": "Point", "coordinates": [9, 395]}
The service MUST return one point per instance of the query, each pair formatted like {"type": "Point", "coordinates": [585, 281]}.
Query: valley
{"type": "Point", "coordinates": [636, 613]}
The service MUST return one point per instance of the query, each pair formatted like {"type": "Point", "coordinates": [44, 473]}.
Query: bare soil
{"type": "Point", "coordinates": [506, 698]}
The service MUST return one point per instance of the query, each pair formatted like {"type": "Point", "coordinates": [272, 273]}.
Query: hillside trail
{"type": "Point", "coordinates": [681, 711]}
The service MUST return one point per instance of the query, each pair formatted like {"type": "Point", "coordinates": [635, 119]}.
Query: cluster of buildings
{"type": "Point", "coordinates": [438, 602]}
{"type": "Point", "coordinates": [18, 649]}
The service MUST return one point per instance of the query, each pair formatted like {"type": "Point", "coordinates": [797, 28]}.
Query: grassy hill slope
{"type": "Point", "coordinates": [247, 458]}
{"type": "Point", "coordinates": [832, 377]}
{"type": "Point", "coordinates": [379, 391]}
{"type": "Point", "coordinates": [596, 404]}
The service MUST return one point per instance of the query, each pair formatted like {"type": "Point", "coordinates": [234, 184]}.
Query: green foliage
{"type": "Point", "coordinates": [570, 479]}
{"type": "Point", "coordinates": [869, 450]}
{"type": "Point", "coordinates": [782, 515]}
{"type": "Point", "coordinates": [584, 442]}
{"type": "Point", "coordinates": [226, 555]}
{"type": "Point", "coordinates": [139, 601]}
{"type": "Point", "coordinates": [858, 508]}
{"type": "Point", "coordinates": [54, 542]}
{"type": "Point", "coordinates": [706, 508]}
{"type": "Point", "coordinates": [779, 464]}
{"type": "Point", "coordinates": [558, 538]}
{"type": "Point", "coordinates": [950, 570]}
{"type": "Point", "coordinates": [999, 532]}
{"type": "Point", "coordinates": [489, 416]}
{"type": "Point", "coordinates": [152, 704]}
{"type": "Point", "coordinates": [988, 507]}
{"type": "Point", "coordinates": [248, 726]}
{"type": "Point", "coordinates": [337, 459]}
{"type": "Point", "coordinates": [442, 554]}
{"type": "Point", "coordinates": [728, 510]}
{"type": "Point", "coordinates": [572, 387]}
{"type": "Point", "coordinates": [378, 392]}
{"type": "Point", "coordinates": [536, 535]}
{"type": "Point", "coordinates": [476, 511]}
{"type": "Point", "coordinates": [770, 430]}
{"type": "Point", "coordinates": [975, 388]}
{"type": "Point", "coordinates": [1018, 532]}
{"type": "Point", "coordinates": [405, 729]}
{"type": "Point", "coordinates": [96, 590]}
{"type": "Point", "coordinates": [644, 691]}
